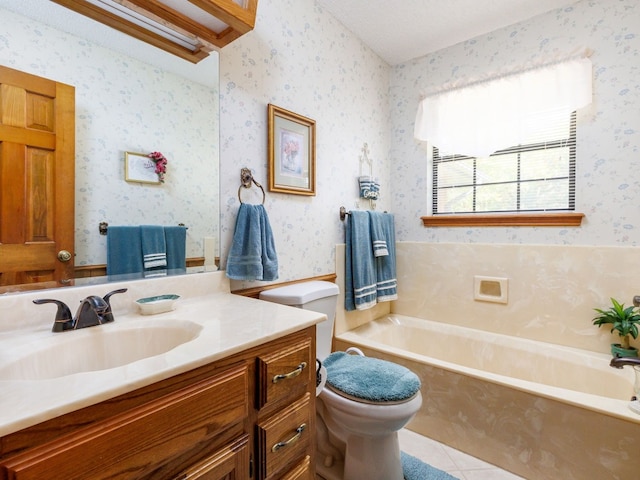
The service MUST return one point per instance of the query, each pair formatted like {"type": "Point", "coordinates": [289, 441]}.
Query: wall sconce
{"type": "Point", "coordinates": [190, 29]}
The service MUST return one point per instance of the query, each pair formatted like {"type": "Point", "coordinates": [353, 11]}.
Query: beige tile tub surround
{"type": "Point", "coordinates": [230, 324]}
{"type": "Point", "coordinates": [553, 289]}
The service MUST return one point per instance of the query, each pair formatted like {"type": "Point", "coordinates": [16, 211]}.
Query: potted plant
{"type": "Point", "coordinates": [623, 320]}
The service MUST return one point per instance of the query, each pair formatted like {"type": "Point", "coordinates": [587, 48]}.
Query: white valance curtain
{"type": "Point", "coordinates": [491, 115]}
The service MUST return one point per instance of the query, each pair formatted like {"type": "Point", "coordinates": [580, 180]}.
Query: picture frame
{"type": "Point", "coordinates": [140, 168]}
{"type": "Point", "coordinates": [292, 152]}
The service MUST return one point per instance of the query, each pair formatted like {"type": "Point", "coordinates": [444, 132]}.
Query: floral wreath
{"type": "Point", "coordinates": [161, 164]}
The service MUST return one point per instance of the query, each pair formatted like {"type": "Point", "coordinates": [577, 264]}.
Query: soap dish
{"type": "Point", "coordinates": [157, 304]}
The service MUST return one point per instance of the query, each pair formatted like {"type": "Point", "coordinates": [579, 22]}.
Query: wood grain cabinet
{"type": "Point", "coordinates": [248, 416]}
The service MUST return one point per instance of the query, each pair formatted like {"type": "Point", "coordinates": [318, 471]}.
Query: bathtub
{"type": "Point", "coordinates": [539, 410]}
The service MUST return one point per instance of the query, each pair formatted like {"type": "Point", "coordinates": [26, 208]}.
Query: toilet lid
{"type": "Point", "coordinates": [370, 379]}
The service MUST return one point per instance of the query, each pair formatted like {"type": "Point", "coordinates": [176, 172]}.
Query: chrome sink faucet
{"type": "Point", "coordinates": [93, 310]}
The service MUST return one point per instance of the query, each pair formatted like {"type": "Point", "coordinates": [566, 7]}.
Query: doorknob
{"type": "Point", "coordinates": [64, 256]}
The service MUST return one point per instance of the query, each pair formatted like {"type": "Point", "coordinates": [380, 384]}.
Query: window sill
{"type": "Point", "coordinates": [563, 219]}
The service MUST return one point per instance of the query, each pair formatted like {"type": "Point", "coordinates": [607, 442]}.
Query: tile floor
{"type": "Point", "coordinates": [459, 464]}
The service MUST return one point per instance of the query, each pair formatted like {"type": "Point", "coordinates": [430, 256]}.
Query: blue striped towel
{"type": "Point", "coordinates": [360, 276]}
{"type": "Point", "coordinates": [383, 234]}
{"type": "Point", "coordinates": [154, 249]}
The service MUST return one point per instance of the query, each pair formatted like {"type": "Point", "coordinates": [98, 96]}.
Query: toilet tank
{"type": "Point", "coordinates": [317, 296]}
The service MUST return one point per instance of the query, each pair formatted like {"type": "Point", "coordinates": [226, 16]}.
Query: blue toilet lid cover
{"type": "Point", "coordinates": [369, 378]}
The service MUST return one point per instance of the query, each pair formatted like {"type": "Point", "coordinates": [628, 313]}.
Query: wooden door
{"type": "Point", "coordinates": [37, 160]}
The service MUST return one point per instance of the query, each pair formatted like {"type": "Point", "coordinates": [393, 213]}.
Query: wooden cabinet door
{"type": "Point", "coordinates": [133, 443]}
{"type": "Point", "coordinates": [229, 463]}
{"type": "Point", "coordinates": [37, 150]}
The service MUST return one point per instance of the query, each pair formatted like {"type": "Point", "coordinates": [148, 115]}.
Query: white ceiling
{"type": "Point", "coordinates": [397, 30]}
{"type": "Point", "coordinates": [406, 29]}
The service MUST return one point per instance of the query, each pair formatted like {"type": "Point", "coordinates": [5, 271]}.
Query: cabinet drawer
{"type": "Point", "coordinates": [285, 437]}
{"type": "Point", "coordinates": [286, 372]}
{"type": "Point", "coordinates": [128, 444]}
{"type": "Point", "coordinates": [302, 471]}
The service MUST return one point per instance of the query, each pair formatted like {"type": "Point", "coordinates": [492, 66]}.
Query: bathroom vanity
{"type": "Point", "coordinates": [236, 401]}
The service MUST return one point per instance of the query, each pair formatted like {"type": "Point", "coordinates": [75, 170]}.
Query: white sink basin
{"type": "Point", "coordinates": [97, 348]}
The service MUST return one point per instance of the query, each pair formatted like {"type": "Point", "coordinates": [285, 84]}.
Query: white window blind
{"type": "Point", "coordinates": [537, 175]}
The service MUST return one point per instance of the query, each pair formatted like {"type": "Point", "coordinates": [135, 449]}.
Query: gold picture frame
{"type": "Point", "coordinates": [140, 168]}
{"type": "Point", "coordinates": [292, 152]}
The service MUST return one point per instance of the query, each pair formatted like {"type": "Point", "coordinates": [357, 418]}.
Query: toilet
{"type": "Point", "coordinates": [357, 423]}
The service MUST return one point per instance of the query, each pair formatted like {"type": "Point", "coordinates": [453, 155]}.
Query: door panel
{"type": "Point", "coordinates": [37, 150]}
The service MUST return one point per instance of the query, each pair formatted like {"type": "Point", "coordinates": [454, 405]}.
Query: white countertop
{"type": "Point", "coordinates": [230, 324]}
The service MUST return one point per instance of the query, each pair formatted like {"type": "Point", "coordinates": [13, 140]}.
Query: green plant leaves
{"type": "Point", "coordinates": [623, 320]}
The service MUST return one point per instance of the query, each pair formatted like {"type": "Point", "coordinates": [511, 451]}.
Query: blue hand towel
{"type": "Point", "coordinates": [385, 265]}
{"type": "Point", "coordinates": [269, 257]}
{"type": "Point", "coordinates": [378, 235]}
{"type": "Point", "coordinates": [360, 276]}
{"type": "Point", "coordinates": [253, 254]}
{"type": "Point", "coordinates": [124, 250]}
{"type": "Point", "coordinates": [175, 238]}
{"type": "Point", "coordinates": [154, 249]}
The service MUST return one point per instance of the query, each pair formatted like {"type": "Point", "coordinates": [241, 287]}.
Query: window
{"type": "Point", "coordinates": [536, 176]}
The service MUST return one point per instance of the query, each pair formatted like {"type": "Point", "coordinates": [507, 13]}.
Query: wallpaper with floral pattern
{"type": "Point", "coordinates": [300, 58]}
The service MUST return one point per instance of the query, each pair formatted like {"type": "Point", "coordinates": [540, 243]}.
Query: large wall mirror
{"type": "Point", "coordinates": [130, 97]}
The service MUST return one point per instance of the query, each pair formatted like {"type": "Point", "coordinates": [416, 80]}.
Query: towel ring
{"type": "Point", "coordinates": [245, 182]}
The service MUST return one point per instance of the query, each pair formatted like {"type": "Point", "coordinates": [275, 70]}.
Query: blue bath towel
{"type": "Point", "coordinates": [253, 253]}
{"type": "Point", "coordinates": [386, 282]}
{"type": "Point", "coordinates": [154, 249]}
{"type": "Point", "coordinates": [176, 241]}
{"type": "Point", "coordinates": [360, 275]}
{"type": "Point", "coordinates": [124, 250]}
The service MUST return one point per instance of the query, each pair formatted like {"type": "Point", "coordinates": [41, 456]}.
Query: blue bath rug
{"type": "Point", "coordinates": [414, 469]}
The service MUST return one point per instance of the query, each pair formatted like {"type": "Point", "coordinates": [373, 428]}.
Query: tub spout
{"type": "Point", "coordinates": [619, 362]}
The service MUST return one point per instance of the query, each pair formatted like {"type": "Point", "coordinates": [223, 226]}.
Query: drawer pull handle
{"type": "Point", "coordinates": [295, 373]}
{"type": "Point", "coordinates": [293, 439]}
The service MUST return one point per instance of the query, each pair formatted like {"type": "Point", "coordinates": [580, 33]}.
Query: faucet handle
{"type": "Point", "coordinates": [108, 295]}
{"type": "Point", "coordinates": [107, 315]}
{"type": "Point", "coordinates": [63, 320]}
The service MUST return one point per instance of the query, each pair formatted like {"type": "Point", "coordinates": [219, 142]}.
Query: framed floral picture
{"type": "Point", "coordinates": [144, 168]}
{"type": "Point", "coordinates": [292, 152]}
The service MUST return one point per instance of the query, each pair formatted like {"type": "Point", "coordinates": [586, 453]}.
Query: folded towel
{"type": "Point", "coordinates": [385, 265]}
{"type": "Point", "coordinates": [175, 238]}
{"type": "Point", "coordinates": [124, 250]}
{"type": "Point", "coordinates": [253, 254]}
{"type": "Point", "coordinates": [369, 187]}
{"type": "Point", "coordinates": [154, 250]}
{"type": "Point", "coordinates": [360, 276]}
{"type": "Point", "coordinates": [378, 235]}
